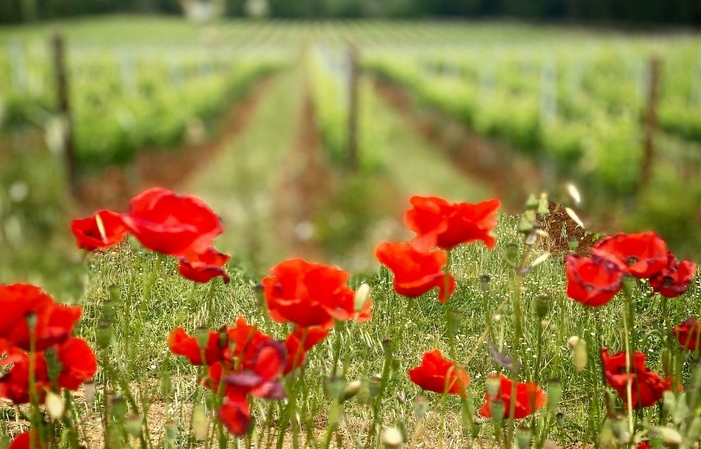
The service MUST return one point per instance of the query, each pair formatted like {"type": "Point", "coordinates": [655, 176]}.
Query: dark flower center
{"type": "Point", "coordinates": [631, 260]}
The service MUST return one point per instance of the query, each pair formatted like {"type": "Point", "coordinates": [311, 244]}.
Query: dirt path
{"type": "Point", "coordinates": [304, 182]}
{"type": "Point", "coordinates": [168, 168]}
{"type": "Point", "coordinates": [511, 176]}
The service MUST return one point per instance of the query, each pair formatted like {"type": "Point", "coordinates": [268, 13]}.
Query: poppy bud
{"type": "Point", "coordinates": [109, 313]}
{"type": "Point", "coordinates": [619, 427]}
{"type": "Point", "coordinates": [579, 358]}
{"type": "Point", "coordinates": [560, 419]}
{"type": "Point", "coordinates": [351, 390]}
{"type": "Point", "coordinates": [543, 205]}
{"type": "Point", "coordinates": [493, 384]}
{"type": "Point", "coordinates": [484, 283]}
{"type": "Point", "coordinates": [171, 431]}
{"type": "Point", "coordinates": [89, 387]}
{"type": "Point", "coordinates": [392, 438]}
{"type": "Point", "coordinates": [387, 346]}
{"type": "Point", "coordinates": [454, 321]}
{"type": "Point", "coordinates": [118, 407]}
{"type": "Point", "coordinates": [498, 409]}
{"type": "Point", "coordinates": [524, 437]}
{"type": "Point", "coordinates": [114, 439]}
{"type": "Point", "coordinates": [202, 336]}
{"type": "Point", "coordinates": [103, 335]}
{"type": "Point", "coordinates": [572, 341]}
{"type": "Point", "coordinates": [554, 393]}
{"type": "Point", "coordinates": [199, 423]}
{"type": "Point", "coordinates": [364, 393]}
{"type": "Point", "coordinates": [542, 306]}
{"type": "Point", "coordinates": [166, 384]}
{"type": "Point", "coordinates": [361, 297]}
{"type": "Point", "coordinates": [333, 387]}
{"type": "Point", "coordinates": [374, 382]}
{"type": "Point", "coordinates": [525, 226]}
{"type": "Point", "coordinates": [132, 426]}
{"type": "Point", "coordinates": [54, 405]}
{"type": "Point", "coordinates": [420, 406]}
{"type": "Point", "coordinates": [532, 202]}
{"type": "Point", "coordinates": [669, 436]}
{"type": "Point", "coordinates": [512, 252]}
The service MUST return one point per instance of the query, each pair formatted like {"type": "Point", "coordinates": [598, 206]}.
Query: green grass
{"type": "Point", "coordinates": [415, 326]}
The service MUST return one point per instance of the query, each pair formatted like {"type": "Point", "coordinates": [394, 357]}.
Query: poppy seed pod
{"type": "Point", "coordinates": [542, 306]}
{"type": "Point", "coordinates": [554, 394]}
{"type": "Point", "coordinates": [524, 437]}
{"type": "Point", "coordinates": [498, 410]}
{"type": "Point", "coordinates": [484, 283]}
{"type": "Point", "coordinates": [392, 438]}
{"type": "Point", "coordinates": [132, 425]}
{"type": "Point", "coordinates": [361, 296]}
{"type": "Point", "coordinates": [579, 356]}
{"type": "Point", "coordinates": [493, 384]}
{"type": "Point", "coordinates": [420, 406]}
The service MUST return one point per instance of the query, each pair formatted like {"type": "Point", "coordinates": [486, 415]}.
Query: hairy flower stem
{"type": "Point", "coordinates": [516, 294]}
{"type": "Point", "coordinates": [629, 381]}
{"type": "Point", "coordinates": [292, 386]}
{"type": "Point", "coordinates": [377, 403]}
{"type": "Point", "coordinates": [33, 397]}
{"type": "Point", "coordinates": [210, 303]}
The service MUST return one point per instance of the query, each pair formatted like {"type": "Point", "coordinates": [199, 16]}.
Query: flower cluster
{"type": "Point", "coordinates": [180, 226]}
{"type": "Point", "coordinates": [37, 345]}
{"type": "Point", "coordinates": [595, 280]}
{"type": "Point", "coordinates": [418, 266]}
{"type": "Point", "coordinates": [244, 362]}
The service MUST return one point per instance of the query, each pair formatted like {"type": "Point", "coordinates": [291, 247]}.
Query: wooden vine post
{"type": "Point", "coordinates": [650, 123]}
{"type": "Point", "coordinates": [353, 110]}
{"type": "Point", "coordinates": [64, 111]}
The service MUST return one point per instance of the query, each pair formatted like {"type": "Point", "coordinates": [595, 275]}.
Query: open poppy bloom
{"type": "Point", "coordinates": [77, 364]}
{"type": "Point", "coordinates": [171, 224]}
{"type": "Point", "coordinates": [689, 334]}
{"type": "Point", "coordinates": [203, 267]}
{"type": "Point", "coordinates": [308, 294]}
{"type": "Point", "coordinates": [674, 279]}
{"type": "Point", "coordinates": [102, 230]}
{"type": "Point", "coordinates": [416, 272]}
{"type": "Point", "coordinates": [592, 281]}
{"type": "Point", "coordinates": [260, 380]}
{"type": "Point", "coordinates": [24, 441]}
{"type": "Point", "coordinates": [529, 398]}
{"type": "Point", "coordinates": [440, 375]}
{"type": "Point", "coordinates": [296, 352]}
{"type": "Point", "coordinates": [646, 386]}
{"type": "Point", "coordinates": [21, 303]}
{"type": "Point", "coordinates": [640, 255]}
{"type": "Point", "coordinates": [243, 339]}
{"type": "Point", "coordinates": [439, 223]}
{"type": "Point", "coordinates": [180, 343]}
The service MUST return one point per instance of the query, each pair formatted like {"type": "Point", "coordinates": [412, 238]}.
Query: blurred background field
{"type": "Point", "coordinates": [261, 116]}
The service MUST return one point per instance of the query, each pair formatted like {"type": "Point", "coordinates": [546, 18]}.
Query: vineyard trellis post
{"type": "Point", "coordinates": [64, 110]}
{"type": "Point", "coordinates": [353, 109]}
{"type": "Point", "coordinates": [650, 123]}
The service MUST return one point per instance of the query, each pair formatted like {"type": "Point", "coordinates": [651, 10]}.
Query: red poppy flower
{"type": "Point", "coordinates": [674, 279]}
{"type": "Point", "coordinates": [244, 338]}
{"type": "Point", "coordinates": [439, 223]}
{"type": "Point", "coordinates": [592, 281]}
{"type": "Point", "coordinates": [180, 343]}
{"type": "Point", "coordinates": [308, 294]}
{"type": "Point", "coordinates": [640, 255]}
{"type": "Point", "coordinates": [102, 230]}
{"type": "Point", "coordinates": [646, 386]}
{"type": "Point", "coordinates": [529, 398]}
{"type": "Point", "coordinates": [261, 380]}
{"type": "Point", "coordinates": [297, 354]}
{"type": "Point", "coordinates": [53, 322]}
{"type": "Point", "coordinates": [171, 224]}
{"type": "Point", "coordinates": [23, 441]}
{"type": "Point", "coordinates": [77, 364]}
{"type": "Point", "coordinates": [204, 267]}
{"type": "Point", "coordinates": [689, 334]}
{"type": "Point", "coordinates": [440, 375]}
{"type": "Point", "coordinates": [415, 272]}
